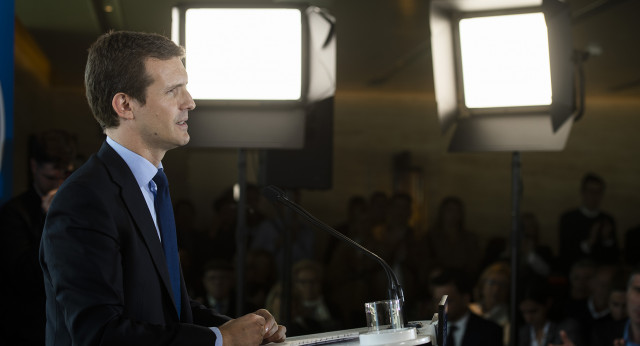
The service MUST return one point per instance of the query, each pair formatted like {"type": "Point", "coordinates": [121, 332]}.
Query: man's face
{"type": "Point", "coordinates": [162, 121]}
{"type": "Point", "coordinates": [533, 313]}
{"type": "Point", "coordinates": [47, 177]}
{"type": "Point", "coordinates": [633, 300]}
{"type": "Point", "coordinates": [579, 280]}
{"type": "Point", "coordinates": [592, 194]}
{"type": "Point", "coordinates": [457, 303]}
{"type": "Point", "coordinates": [618, 305]}
{"type": "Point", "coordinates": [495, 289]}
{"type": "Point", "coordinates": [308, 284]}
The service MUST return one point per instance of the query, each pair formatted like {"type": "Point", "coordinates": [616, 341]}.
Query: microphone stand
{"type": "Point", "coordinates": [275, 194]}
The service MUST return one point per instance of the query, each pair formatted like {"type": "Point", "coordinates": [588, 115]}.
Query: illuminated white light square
{"type": "Point", "coordinates": [505, 61]}
{"type": "Point", "coordinates": [244, 54]}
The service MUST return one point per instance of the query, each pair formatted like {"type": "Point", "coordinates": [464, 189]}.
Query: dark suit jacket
{"type": "Point", "coordinates": [482, 332]}
{"type": "Point", "coordinates": [21, 223]}
{"type": "Point", "coordinates": [105, 274]}
{"type": "Point", "coordinates": [608, 330]}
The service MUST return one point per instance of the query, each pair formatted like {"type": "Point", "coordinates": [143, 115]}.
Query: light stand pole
{"type": "Point", "coordinates": [241, 231]}
{"type": "Point", "coordinates": [516, 194]}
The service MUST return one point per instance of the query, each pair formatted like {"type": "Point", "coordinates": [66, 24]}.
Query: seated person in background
{"type": "Point", "coordinates": [450, 243]}
{"type": "Point", "coordinates": [395, 241]}
{"type": "Point", "coordinates": [541, 327]}
{"type": "Point", "coordinates": [537, 259]}
{"type": "Point", "coordinates": [493, 296]}
{"type": "Point", "coordinates": [270, 235]}
{"type": "Point", "coordinates": [315, 314]}
{"type": "Point", "coordinates": [464, 327]}
{"type": "Point", "coordinates": [607, 330]}
{"type": "Point", "coordinates": [579, 278]}
{"type": "Point", "coordinates": [595, 308]}
{"type": "Point", "coordinates": [356, 227]}
{"type": "Point", "coordinates": [260, 276]}
{"type": "Point", "coordinates": [219, 281]}
{"type": "Point", "coordinates": [587, 231]}
{"type": "Point", "coordinates": [630, 334]}
{"type": "Point", "coordinates": [51, 158]}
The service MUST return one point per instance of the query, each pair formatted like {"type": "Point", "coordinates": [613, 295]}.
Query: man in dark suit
{"type": "Point", "coordinates": [587, 231]}
{"type": "Point", "coordinates": [464, 327]}
{"type": "Point", "coordinates": [106, 278]}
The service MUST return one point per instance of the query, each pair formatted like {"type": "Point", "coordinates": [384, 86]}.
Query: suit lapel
{"type": "Point", "coordinates": [137, 207]}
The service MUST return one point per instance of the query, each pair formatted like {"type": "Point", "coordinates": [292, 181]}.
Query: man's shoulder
{"type": "Point", "coordinates": [483, 327]}
{"type": "Point", "coordinates": [479, 321]}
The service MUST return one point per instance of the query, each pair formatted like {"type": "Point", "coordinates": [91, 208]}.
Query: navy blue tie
{"type": "Point", "coordinates": [167, 225]}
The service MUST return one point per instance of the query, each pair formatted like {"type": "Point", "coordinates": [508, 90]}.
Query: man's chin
{"type": "Point", "coordinates": [185, 140]}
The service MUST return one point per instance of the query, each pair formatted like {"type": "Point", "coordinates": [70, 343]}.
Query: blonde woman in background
{"type": "Point", "coordinates": [492, 292]}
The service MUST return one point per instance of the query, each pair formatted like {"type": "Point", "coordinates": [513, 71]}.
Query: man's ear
{"type": "Point", "coordinates": [121, 103]}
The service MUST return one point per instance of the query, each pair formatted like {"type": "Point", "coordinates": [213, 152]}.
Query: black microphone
{"type": "Point", "coordinates": [274, 194]}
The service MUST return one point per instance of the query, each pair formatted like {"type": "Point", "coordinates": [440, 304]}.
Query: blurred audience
{"type": "Point", "coordinates": [355, 226]}
{"type": "Point", "coordinates": [52, 156]}
{"type": "Point", "coordinates": [260, 276]}
{"type": "Point", "coordinates": [315, 313]}
{"type": "Point", "coordinates": [271, 235]}
{"type": "Point", "coordinates": [541, 326]}
{"type": "Point", "coordinates": [394, 241]}
{"type": "Point", "coordinates": [464, 327]}
{"type": "Point", "coordinates": [594, 309]}
{"type": "Point", "coordinates": [492, 297]}
{"type": "Point", "coordinates": [605, 332]}
{"type": "Point", "coordinates": [537, 259]}
{"type": "Point", "coordinates": [219, 282]}
{"type": "Point", "coordinates": [450, 243]}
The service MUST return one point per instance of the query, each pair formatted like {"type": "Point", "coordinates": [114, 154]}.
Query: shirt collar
{"type": "Point", "coordinates": [142, 169]}
{"type": "Point", "coordinates": [545, 332]}
{"type": "Point", "coordinates": [592, 309]}
{"type": "Point", "coordinates": [588, 212]}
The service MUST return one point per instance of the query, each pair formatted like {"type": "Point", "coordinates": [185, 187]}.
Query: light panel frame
{"type": "Point", "coordinates": [513, 128]}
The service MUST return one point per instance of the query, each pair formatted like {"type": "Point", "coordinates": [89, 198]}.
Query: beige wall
{"type": "Point", "coordinates": [372, 126]}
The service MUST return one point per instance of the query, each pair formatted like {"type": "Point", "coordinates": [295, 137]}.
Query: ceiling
{"type": "Point", "coordinates": [382, 44]}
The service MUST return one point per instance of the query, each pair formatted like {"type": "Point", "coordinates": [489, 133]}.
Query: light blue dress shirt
{"type": "Point", "coordinates": [144, 171]}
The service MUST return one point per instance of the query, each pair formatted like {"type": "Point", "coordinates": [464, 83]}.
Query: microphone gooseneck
{"type": "Point", "coordinates": [276, 195]}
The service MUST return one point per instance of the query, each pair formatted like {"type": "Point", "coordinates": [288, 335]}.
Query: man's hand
{"type": "Point", "coordinates": [565, 339]}
{"type": "Point", "coordinates": [46, 200]}
{"type": "Point", "coordinates": [273, 332]}
{"type": "Point", "coordinates": [252, 329]}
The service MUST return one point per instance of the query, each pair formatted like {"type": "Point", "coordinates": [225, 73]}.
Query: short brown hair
{"type": "Point", "coordinates": [116, 64]}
